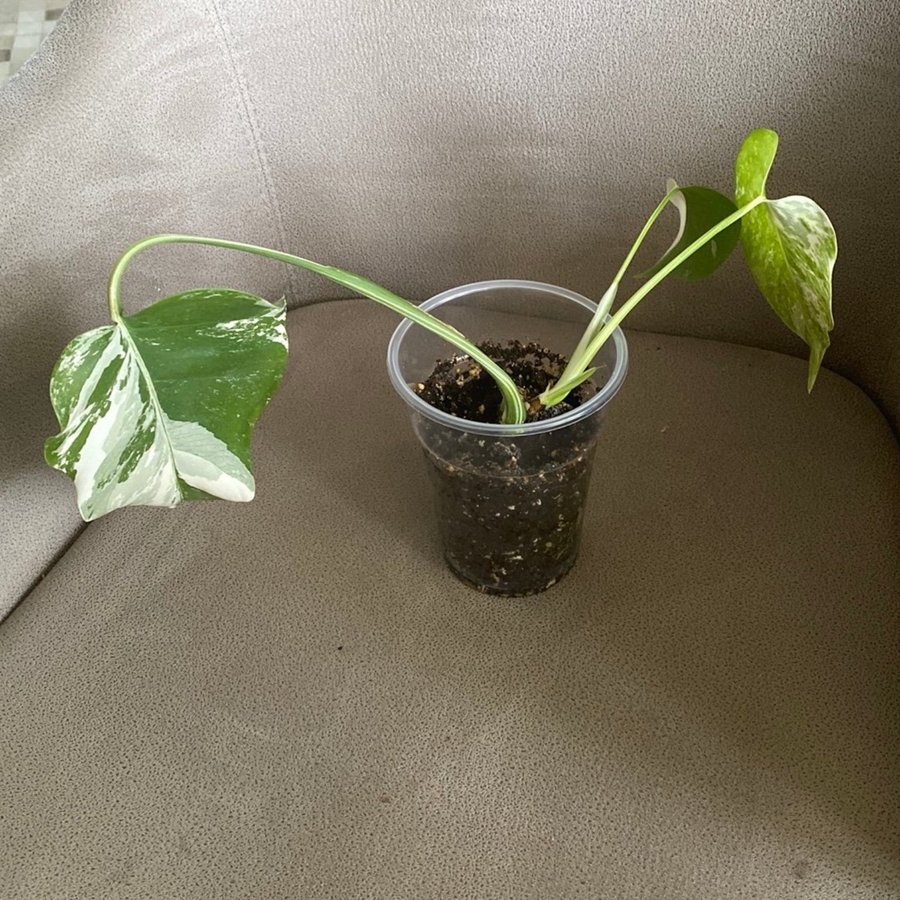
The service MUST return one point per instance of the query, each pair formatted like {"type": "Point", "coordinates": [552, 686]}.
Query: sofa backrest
{"type": "Point", "coordinates": [423, 144]}
{"type": "Point", "coordinates": [432, 143]}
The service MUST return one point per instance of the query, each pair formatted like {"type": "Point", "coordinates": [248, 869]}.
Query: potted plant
{"type": "Point", "coordinates": [158, 407]}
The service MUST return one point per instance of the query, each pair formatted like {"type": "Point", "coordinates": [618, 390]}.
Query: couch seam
{"type": "Point", "coordinates": [48, 567]}
{"type": "Point", "coordinates": [893, 362]}
{"type": "Point", "coordinates": [249, 116]}
{"type": "Point", "coordinates": [251, 121]}
{"type": "Point", "coordinates": [868, 394]}
{"type": "Point", "coordinates": [64, 550]}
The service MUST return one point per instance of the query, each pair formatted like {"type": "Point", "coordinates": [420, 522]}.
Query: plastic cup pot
{"type": "Point", "coordinates": [509, 499]}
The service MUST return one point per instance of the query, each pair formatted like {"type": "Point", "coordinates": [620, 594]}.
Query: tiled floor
{"type": "Point", "coordinates": [23, 25]}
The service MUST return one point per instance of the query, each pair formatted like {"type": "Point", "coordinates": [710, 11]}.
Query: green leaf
{"type": "Point", "coordinates": [791, 248]}
{"type": "Point", "coordinates": [159, 407]}
{"type": "Point", "coordinates": [699, 209]}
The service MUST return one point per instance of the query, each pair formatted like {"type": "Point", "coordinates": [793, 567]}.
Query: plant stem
{"type": "Point", "coordinates": [577, 362]}
{"type": "Point", "coordinates": [606, 332]}
{"type": "Point", "coordinates": [513, 406]}
{"type": "Point", "coordinates": [549, 398]}
{"type": "Point", "coordinates": [645, 231]}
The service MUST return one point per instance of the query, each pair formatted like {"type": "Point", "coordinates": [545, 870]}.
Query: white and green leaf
{"type": "Point", "coordinates": [159, 407]}
{"type": "Point", "coordinates": [790, 246]}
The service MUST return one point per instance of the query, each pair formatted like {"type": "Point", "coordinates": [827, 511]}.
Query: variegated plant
{"type": "Point", "coordinates": [789, 244]}
{"type": "Point", "coordinates": [158, 407]}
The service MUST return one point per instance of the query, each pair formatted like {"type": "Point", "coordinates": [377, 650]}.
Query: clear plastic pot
{"type": "Point", "coordinates": [510, 498]}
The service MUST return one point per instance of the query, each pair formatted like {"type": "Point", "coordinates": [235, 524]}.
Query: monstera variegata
{"type": "Point", "coordinates": [158, 406]}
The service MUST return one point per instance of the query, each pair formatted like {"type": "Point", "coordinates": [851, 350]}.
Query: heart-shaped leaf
{"type": "Point", "coordinates": [791, 248]}
{"type": "Point", "coordinates": [699, 209]}
{"type": "Point", "coordinates": [159, 407]}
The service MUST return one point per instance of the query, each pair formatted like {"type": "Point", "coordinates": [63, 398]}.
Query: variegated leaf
{"type": "Point", "coordinates": [159, 407]}
{"type": "Point", "coordinates": [790, 246]}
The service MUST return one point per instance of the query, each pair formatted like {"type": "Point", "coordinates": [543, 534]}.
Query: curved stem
{"type": "Point", "coordinates": [606, 332]}
{"type": "Point", "coordinates": [513, 406]}
{"type": "Point", "coordinates": [577, 363]}
{"type": "Point", "coordinates": [645, 231]}
{"type": "Point", "coordinates": [602, 336]}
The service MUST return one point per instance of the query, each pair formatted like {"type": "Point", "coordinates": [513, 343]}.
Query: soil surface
{"type": "Point", "coordinates": [460, 387]}
{"type": "Point", "coordinates": [509, 508]}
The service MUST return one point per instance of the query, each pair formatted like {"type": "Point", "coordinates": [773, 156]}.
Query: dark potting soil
{"type": "Point", "coordinates": [460, 387]}
{"type": "Point", "coordinates": [509, 508]}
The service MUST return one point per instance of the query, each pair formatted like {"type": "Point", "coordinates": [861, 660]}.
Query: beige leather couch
{"type": "Point", "coordinates": [294, 698]}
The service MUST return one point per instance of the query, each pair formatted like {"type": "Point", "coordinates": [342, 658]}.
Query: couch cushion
{"type": "Point", "coordinates": [425, 145]}
{"type": "Point", "coordinates": [528, 139]}
{"type": "Point", "coordinates": [140, 129]}
{"type": "Point", "coordinates": [295, 698]}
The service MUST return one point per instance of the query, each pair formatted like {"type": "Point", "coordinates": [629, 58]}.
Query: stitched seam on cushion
{"type": "Point", "coordinates": [893, 362]}
{"type": "Point", "coordinates": [48, 567]}
{"type": "Point", "coordinates": [249, 114]}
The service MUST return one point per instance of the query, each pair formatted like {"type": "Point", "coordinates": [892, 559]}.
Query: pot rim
{"type": "Point", "coordinates": [596, 403]}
